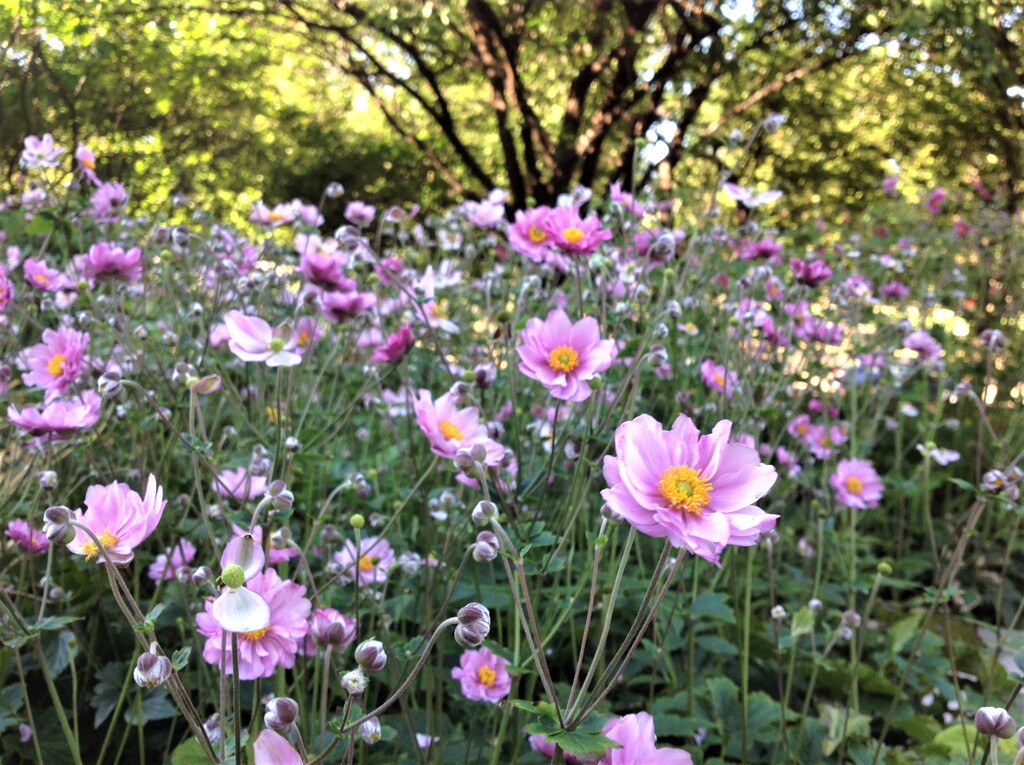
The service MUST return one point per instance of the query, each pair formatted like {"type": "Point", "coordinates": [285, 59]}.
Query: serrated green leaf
{"type": "Point", "coordinates": [712, 605]}
{"type": "Point", "coordinates": [179, 659]}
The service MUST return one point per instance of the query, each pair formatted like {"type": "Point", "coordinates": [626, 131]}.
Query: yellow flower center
{"type": "Point", "coordinates": [802, 428]}
{"type": "Point", "coordinates": [537, 236]}
{"type": "Point", "coordinates": [572, 235]}
{"type": "Point", "coordinates": [854, 485]}
{"type": "Point", "coordinates": [41, 278]}
{"type": "Point", "coordinates": [486, 676]}
{"type": "Point", "coordinates": [255, 635]}
{"type": "Point", "coordinates": [91, 164]}
{"type": "Point", "coordinates": [106, 538]}
{"type": "Point", "coordinates": [276, 216]}
{"type": "Point", "coordinates": [366, 563]}
{"type": "Point", "coordinates": [719, 379]}
{"type": "Point", "coordinates": [685, 488]}
{"type": "Point", "coordinates": [451, 431]}
{"type": "Point", "coordinates": [304, 338]}
{"type": "Point", "coordinates": [564, 359]}
{"type": "Point", "coordinates": [56, 365]}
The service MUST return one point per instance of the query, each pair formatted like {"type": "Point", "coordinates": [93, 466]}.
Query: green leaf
{"type": "Point", "coordinates": [156, 705]}
{"type": "Point", "coordinates": [58, 651]}
{"type": "Point", "coordinates": [842, 724]}
{"type": "Point", "coordinates": [147, 624]}
{"type": "Point", "coordinates": [541, 708]}
{"type": "Point", "coordinates": [585, 745]}
{"type": "Point", "coordinates": [179, 659]}
{"type": "Point", "coordinates": [39, 226]}
{"type": "Point", "coordinates": [803, 623]}
{"type": "Point", "coordinates": [53, 623]}
{"type": "Point", "coordinates": [189, 752]}
{"type": "Point", "coordinates": [712, 605]}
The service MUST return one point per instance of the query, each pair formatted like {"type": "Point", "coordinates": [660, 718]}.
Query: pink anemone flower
{"type": "Point", "coordinates": [58, 418]}
{"type": "Point", "coordinates": [55, 363]}
{"type": "Point", "coordinates": [636, 739]}
{"type": "Point", "coordinates": [563, 356]}
{"type": "Point", "coordinates": [856, 484]}
{"type": "Point", "coordinates": [271, 748]}
{"type": "Point", "coordinates": [250, 338]}
{"type": "Point", "coordinates": [120, 518]}
{"type": "Point", "coordinates": [261, 651]}
{"type": "Point", "coordinates": [27, 539]}
{"type": "Point", "coordinates": [695, 490]}
{"type": "Point", "coordinates": [574, 234]}
{"type": "Point", "coordinates": [367, 564]}
{"type": "Point", "coordinates": [239, 484]}
{"type": "Point", "coordinates": [483, 676]}
{"type": "Point", "coordinates": [449, 429]}
{"type": "Point", "coordinates": [106, 261]}
{"type": "Point", "coordinates": [718, 379]}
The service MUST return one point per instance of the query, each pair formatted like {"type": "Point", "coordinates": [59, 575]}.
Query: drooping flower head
{"type": "Point", "coordinates": [449, 429]}
{"type": "Point", "coordinates": [636, 739]}
{"type": "Point", "coordinates": [564, 356]}
{"type": "Point", "coordinates": [55, 363]}
{"type": "Point", "coordinates": [483, 676]}
{"type": "Point", "coordinates": [120, 518]}
{"type": "Point", "coordinates": [27, 539]}
{"type": "Point", "coordinates": [695, 490]}
{"type": "Point", "coordinates": [856, 484]}
{"type": "Point", "coordinates": [58, 419]}
{"type": "Point", "coordinates": [261, 651]}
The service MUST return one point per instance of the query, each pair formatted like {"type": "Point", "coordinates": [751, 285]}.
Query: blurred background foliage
{"type": "Point", "coordinates": [230, 101]}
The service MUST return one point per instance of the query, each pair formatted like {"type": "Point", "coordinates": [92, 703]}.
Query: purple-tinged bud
{"type": "Point", "coordinates": [205, 384]}
{"type": "Point", "coordinates": [332, 628]}
{"type": "Point", "coordinates": [464, 459]}
{"type": "Point", "coordinates": [184, 574]}
{"type": "Point", "coordinates": [474, 625]}
{"type": "Point", "coordinates": [851, 619]}
{"type": "Point", "coordinates": [371, 656]}
{"type": "Point", "coordinates": [334, 190]}
{"type": "Point", "coordinates": [202, 574]}
{"type": "Point", "coordinates": [56, 522]}
{"type": "Point", "coordinates": [478, 452]}
{"type": "Point", "coordinates": [48, 479]}
{"type": "Point", "coordinates": [214, 729]}
{"type": "Point", "coordinates": [281, 714]}
{"type": "Point", "coordinates": [292, 444]}
{"type": "Point", "coordinates": [151, 670]}
{"type": "Point", "coordinates": [484, 511]}
{"type": "Point", "coordinates": [994, 721]}
{"type": "Point", "coordinates": [330, 534]}
{"type": "Point", "coordinates": [109, 385]}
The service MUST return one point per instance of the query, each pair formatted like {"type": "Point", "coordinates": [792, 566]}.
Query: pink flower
{"type": "Point", "coordinates": [573, 234]}
{"type": "Point", "coordinates": [395, 346]}
{"type": "Point", "coordinates": [856, 484]}
{"type": "Point", "coordinates": [890, 184]}
{"type": "Point", "coordinates": [120, 518]}
{"type": "Point", "coordinates": [696, 490]}
{"type": "Point", "coordinates": [928, 348]}
{"type": "Point", "coordinates": [106, 261]}
{"type": "Point", "coordinates": [325, 270]}
{"type": "Point", "coordinates": [108, 202]}
{"type": "Point", "coordinates": [87, 164]}
{"type": "Point", "coordinates": [279, 216]}
{"type": "Point", "coordinates": [239, 484]}
{"type": "Point", "coordinates": [55, 421]}
{"type": "Point", "coordinates": [935, 200]}
{"type": "Point", "coordinates": [40, 152]}
{"type": "Point", "coordinates": [812, 273]}
{"type": "Point", "coordinates": [962, 228]}
{"type": "Point", "coordinates": [625, 199]}
{"type": "Point", "coordinates": [527, 234]}
{"type": "Point", "coordinates": [483, 676]}
{"type": "Point", "coordinates": [329, 627]}
{"type": "Point", "coordinates": [635, 735]}
{"type": "Point", "coordinates": [6, 289]}
{"type": "Point", "coordinates": [449, 429]}
{"type": "Point", "coordinates": [716, 378]}
{"type": "Point", "coordinates": [367, 564]}
{"type": "Point", "coordinates": [488, 213]}
{"type": "Point", "coordinates": [170, 560]}
{"type": "Point", "coordinates": [28, 539]}
{"type": "Point", "coordinates": [252, 339]}
{"type": "Point", "coordinates": [307, 333]}
{"type": "Point", "coordinates": [55, 363]}
{"type": "Point", "coordinates": [42, 277]}
{"type": "Point", "coordinates": [262, 651]}
{"type": "Point", "coordinates": [564, 356]}
{"type": "Point", "coordinates": [763, 248]}
{"type": "Point", "coordinates": [359, 213]}
{"type": "Point", "coordinates": [271, 748]}
{"type": "Point", "coordinates": [339, 306]}
{"type": "Point", "coordinates": [748, 198]}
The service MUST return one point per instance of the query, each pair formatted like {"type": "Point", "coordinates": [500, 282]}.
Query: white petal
{"type": "Point", "coordinates": [241, 610]}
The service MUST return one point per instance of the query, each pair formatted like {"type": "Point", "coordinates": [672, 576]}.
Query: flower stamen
{"type": "Point", "coordinates": [451, 431]}
{"type": "Point", "coordinates": [685, 489]}
{"type": "Point", "coordinates": [564, 359]}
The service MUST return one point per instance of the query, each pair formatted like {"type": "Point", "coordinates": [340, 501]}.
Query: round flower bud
{"type": "Point", "coordinates": [281, 714]}
{"type": "Point", "coordinates": [151, 670]}
{"type": "Point", "coordinates": [815, 604]}
{"type": "Point", "coordinates": [851, 619]}
{"type": "Point", "coordinates": [354, 682]}
{"type": "Point", "coordinates": [484, 512]}
{"type": "Point", "coordinates": [201, 574]}
{"type": "Point", "coordinates": [48, 479]}
{"type": "Point", "coordinates": [478, 452]}
{"type": "Point", "coordinates": [474, 625]}
{"type": "Point", "coordinates": [56, 522]}
{"type": "Point", "coordinates": [357, 521]}
{"type": "Point", "coordinates": [885, 569]}
{"type": "Point", "coordinates": [463, 459]}
{"type": "Point", "coordinates": [292, 444]}
{"type": "Point", "coordinates": [994, 721]}
{"type": "Point", "coordinates": [778, 613]}
{"type": "Point", "coordinates": [109, 385]}
{"type": "Point", "coordinates": [371, 656]}
{"type": "Point", "coordinates": [369, 731]}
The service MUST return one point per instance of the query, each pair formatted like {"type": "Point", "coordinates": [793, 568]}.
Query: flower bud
{"type": "Point", "coordinates": [202, 574]}
{"type": "Point", "coordinates": [331, 628]}
{"type": "Point", "coordinates": [486, 547]}
{"type": "Point", "coordinates": [778, 613]}
{"type": "Point", "coordinates": [474, 625]}
{"type": "Point", "coordinates": [56, 522]}
{"type": "Point", "coordinates": [205, 384]}
{"type": "Point", "coordinates": [292, 444]}
{"type": "Point", "coordinates": [463, 459]}
{"type": "Point", "coordinates": [484, 512]}
{"type": "Point", "coordinates": [478, 452]}
{"type": "Point", "coordinates": [354, 682]}
{"type": "Point", "coordinates": [48, 479]}
{"type": "Point", "coordinates": [281, 714]}
{"type": "Point", "coordinates": [371, 656]}
{"type": "Point", "coordinates": [851, 619]}
{"type": "Point", "coordinates": [994, 721]}
{"type": "Point", "coordinates": [109, 385]}
{"type": "Point", "coordinates": [357, 521]}
{"type": "Point", "coordinates": [151, 670]}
